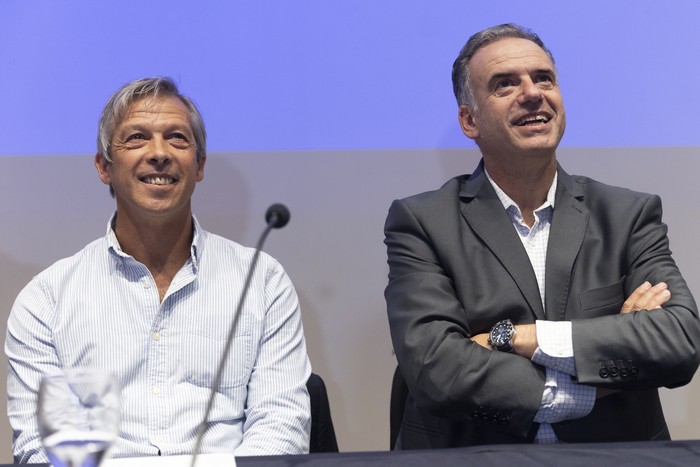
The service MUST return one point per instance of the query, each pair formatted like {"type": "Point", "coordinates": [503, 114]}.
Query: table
{"type": "Point", "coordinates": [637, 454]}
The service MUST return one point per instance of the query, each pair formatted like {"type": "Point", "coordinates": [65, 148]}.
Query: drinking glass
{"type": "Point", "coordinates": [78, 416]}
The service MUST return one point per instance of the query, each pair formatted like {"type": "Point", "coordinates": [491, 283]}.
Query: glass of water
{"type": "Point", "coordinates": [78, 416]}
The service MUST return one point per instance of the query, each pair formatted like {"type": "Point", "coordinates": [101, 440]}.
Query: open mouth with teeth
{"type": "Point", "coordinates": [158, 180]}
{"type": "Point", "coordinates": [532, 120]}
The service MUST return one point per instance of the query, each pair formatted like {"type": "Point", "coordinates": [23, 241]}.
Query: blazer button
{"type": "Point", "coordinates": [504, 420]}
{"type": "Point", "coordinates": [614, 371]}
{"type": "Point", "coordinates": [603, 372]}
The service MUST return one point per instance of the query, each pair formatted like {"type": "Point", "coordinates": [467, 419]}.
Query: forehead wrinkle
{"type": "Point", "coordinates": [519, 65]}
{"type": "Point", "coordinates": [157, 113]}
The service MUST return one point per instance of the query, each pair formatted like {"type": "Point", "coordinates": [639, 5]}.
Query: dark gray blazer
{"type": "Point", "coordinates": [457, 266]}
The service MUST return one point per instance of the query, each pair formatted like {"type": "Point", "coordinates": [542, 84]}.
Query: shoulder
{"type": "Point", "coordinates": [90, 256]}
{"type": "Point", "coordinates": [220, 252]}
{"type": "Point", "coordinates": [610, 205]}
{"type": "Point", "coordinates": [66, 274]}
{"type": "Point", "coordinates": [595, 187]}
{"type": "Point", "coordinates": [602, 195]}
{"type": "Point", "coordinates": [428, 201]}
{"type": "Point", "coordinates": [224, 245]}
{"type": "Point", "coordinates": [433, 213]}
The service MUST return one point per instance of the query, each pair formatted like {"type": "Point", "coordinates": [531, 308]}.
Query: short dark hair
{"type": "Point", "coordinates": [460, 69]}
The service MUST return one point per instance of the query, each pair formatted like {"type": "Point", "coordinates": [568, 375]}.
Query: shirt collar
{"type": "Point", "coordinates": [195, 249]}
{"type": "Point", "coordinates": [511, 205]}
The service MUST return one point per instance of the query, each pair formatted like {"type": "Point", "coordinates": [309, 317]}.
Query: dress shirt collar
{"type": "Point", "coordinates": [512, 207]}
{"type": "Point", "coordinates": [198, 240]}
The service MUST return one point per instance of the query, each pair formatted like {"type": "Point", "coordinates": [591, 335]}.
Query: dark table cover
{"type": "Point", "coordinates": [656, 453]}
{"type": "Point", "coordinates": [659, 453]}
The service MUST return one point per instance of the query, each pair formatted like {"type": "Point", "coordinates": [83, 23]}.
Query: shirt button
{"type": "Point", "coordinates": [158, 439]}
{"type": "Point", "coordinates": [156, 336]}
{"type": "Point", "coordinates": [146, 283]}
{"type": "Point", "coordinates": [156, 390]}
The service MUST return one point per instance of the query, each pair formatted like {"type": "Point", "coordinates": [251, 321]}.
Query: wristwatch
{"type": "Point", "coordinates": [501, 336]}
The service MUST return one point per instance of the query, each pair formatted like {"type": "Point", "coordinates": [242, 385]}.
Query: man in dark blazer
{"type": "Point", "coordinates": [525, 304]}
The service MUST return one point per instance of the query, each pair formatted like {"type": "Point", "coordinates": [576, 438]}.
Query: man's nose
{"type": "Point", "coordinates": [158, 152]}
{"type": "Point", "coordinates": [530, 92]}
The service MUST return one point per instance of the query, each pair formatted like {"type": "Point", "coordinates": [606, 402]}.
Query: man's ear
{"type": "Point", "coordinates": [200, 167]}
{"type": "Point", "coordinates": [467, 122]}
{"type": "Point", "coordinates": [102, 167]}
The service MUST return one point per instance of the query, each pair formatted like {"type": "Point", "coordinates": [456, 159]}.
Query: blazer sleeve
{"type": "Point", "coordinates": [648, 348]}
{"type": "Point", "coordinates": [447, 374]}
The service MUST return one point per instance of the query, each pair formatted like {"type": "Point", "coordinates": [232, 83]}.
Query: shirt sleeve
{"type": "Point", "coordinates": [30, 354]}
{"type": "Point", "coordinates": [555, 346]}
{"type": "Point", "coordinates": [563, 399]}
{"type": "Point", "coordinates": [277, 412]}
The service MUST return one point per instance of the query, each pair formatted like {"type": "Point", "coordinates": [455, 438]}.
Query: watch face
{"type": "Point", "coordinates": [501, 335]}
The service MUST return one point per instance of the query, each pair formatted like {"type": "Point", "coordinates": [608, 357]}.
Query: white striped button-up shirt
{"type": "Point", "coordinates": [101, 309]}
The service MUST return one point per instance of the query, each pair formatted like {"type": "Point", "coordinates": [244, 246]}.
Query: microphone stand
{"type": "Point", "coordinates": [276, 216]}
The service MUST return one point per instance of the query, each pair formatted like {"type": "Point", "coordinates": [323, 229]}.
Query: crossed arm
{"type": "Point", "coordinates": [439, 305]}
{"type": "Point", "coordinates": [644, 297]}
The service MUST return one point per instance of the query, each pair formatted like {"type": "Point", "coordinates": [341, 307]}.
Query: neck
{"type": "Point", "coordinates": [162, 245]}
{"type": "Point", "coordinates": [525, 183]}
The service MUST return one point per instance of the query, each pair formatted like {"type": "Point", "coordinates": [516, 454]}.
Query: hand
{"type": "Point", "coordinates": [646, 297]}
{"type": "Point", "coordinates": [525, 340]}
{"type": "Point", "coordinates": [482, 340]}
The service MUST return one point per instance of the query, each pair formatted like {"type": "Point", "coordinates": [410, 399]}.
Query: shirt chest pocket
{"type": "Point", "coordinates": [202, 357]}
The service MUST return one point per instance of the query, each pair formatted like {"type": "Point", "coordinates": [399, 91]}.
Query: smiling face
{"type": "Point", "coordinates": [520, 109]}
{"type": "Point", "coordinates": [154, 166]}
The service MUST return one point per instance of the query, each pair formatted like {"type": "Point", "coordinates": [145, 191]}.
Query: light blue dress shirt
{"type": "Point", "coordinates": [101, 309]}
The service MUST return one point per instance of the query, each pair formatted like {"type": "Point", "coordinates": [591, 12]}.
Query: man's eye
{"type": "Point", "coordinates": [180, 140]}
{"type": "Point", "coordinates": [543, 79]}
{"type": "Point", "coordinates": [504, 83]}
{"type": "Point", "coordinates": [135, 136]}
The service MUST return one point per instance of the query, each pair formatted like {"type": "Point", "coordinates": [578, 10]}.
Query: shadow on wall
{"type": "Point", "coordinates": [221, 200]}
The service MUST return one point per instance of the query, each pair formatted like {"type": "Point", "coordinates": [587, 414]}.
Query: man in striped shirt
{"type": "Point", "coordinates": [152, 302]}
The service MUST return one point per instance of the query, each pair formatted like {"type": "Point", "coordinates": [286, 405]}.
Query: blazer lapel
{"type": "Point", "coordinates": [569, 221]}
{"type": "Point", "coordinates": [484, 213]}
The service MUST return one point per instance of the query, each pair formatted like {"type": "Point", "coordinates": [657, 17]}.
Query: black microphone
{"type": "Point", "coordinates": [276, 217]}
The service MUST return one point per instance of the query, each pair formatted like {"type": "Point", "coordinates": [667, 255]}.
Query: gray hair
{"type": "Point", "coordinates": [118, 105]}
{"type": "Point", "coordinates": [461, 82]}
